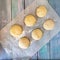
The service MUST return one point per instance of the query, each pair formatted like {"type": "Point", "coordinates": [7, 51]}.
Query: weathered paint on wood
{"type": "Point", "coordinates": [5, 12]}
{"type": "Point", "coordinates": [14, 8]}
{"type": "Point", "coordinates": [44, 52]}
{"type": "Point", "coordinates": [55, 47]}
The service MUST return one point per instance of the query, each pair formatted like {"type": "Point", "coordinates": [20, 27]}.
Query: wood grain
{"type": "Point", "coordinates": [5, 12]}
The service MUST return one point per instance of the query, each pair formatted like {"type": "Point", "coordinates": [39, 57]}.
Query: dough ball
{"type": "Point", "coordinates": [37, 34]}
{"type": "Point", "coordinates": [30, 20]}
{"type": "Point", "coordinates": [16, 30]}
{"type": "Point", "coordinates": [24, 43]}
{"type": "Point", "coordinates": [49, 24]}
{"type": "Point", "coordinates": [41, 11]}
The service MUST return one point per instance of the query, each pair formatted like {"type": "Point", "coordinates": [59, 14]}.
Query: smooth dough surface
{"type": "Point", "coordinates": [30, 20]}
{"type": "Point", "coordinates": [41, 11]}
{"type": "Point", "coordinates": [37, 34]}
{"type": "Point", "coordinates": [16, 30]}
{"type": "Point", "coordinates": [24, 43]}
{"type": "Point", "coordinates": [49, 24]}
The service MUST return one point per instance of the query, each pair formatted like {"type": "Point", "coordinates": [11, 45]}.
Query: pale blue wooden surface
{"type": "Point", "coordinates": [52, 49]}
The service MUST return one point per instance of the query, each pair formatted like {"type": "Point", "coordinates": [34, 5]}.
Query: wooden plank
{"type": "Point", "coordinates": [9, 10]}
{"type": "Point", "coordinates": [17, 7]}
{"type": "Point", "coordinates": [44, 52]}
{"type": "Point", "coordinates": [28, 2]}
{"type": "Point", "coordinates": [52, 51]}
{"type": "Point", "coordinates": [20, 5]}
{"type": "Point", "coordinates": [14, 8]}
{"type": "Point", "coordinates": [55, 47]}
{"type": "Point", "coordinates": [56, 5]}
{"type": "Point", "coordinates": [5, 12]}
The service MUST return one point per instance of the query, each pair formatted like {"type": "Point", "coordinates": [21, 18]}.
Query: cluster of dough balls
{"type": "Point", "coordinates": [30, 20]}
{"type": "Point", "coordinates": [16, 30]}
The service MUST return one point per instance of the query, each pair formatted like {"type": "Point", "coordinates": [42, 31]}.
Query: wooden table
{"type": "Point", "coordinates": [52, 49]}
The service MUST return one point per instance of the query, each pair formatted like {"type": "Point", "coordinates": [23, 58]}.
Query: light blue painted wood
{"type": "Point", "coordinates": [44, 52]}
{"type": "Point", "coordinates": [55, 47]}
{"type": "Point", "coordinates": [14, 8]}
{"type": "Point", "coordinates": [56, 5]}
{"type": "Point", "coordinates": [51, 50]}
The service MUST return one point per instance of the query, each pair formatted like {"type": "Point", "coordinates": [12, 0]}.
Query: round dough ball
{"type": "Point", "coordinates": [41, 11]}
{"type": "Point", "coordinates": [24, 43]}
{"type": "Point", "coordinates": [16, 30]}
{"type": "Point", "coordinates": [30, 20]}
{"type": "Point", "coordinates": [37, 34]}
{"type": "Point", "coordinates": [49, 24]}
